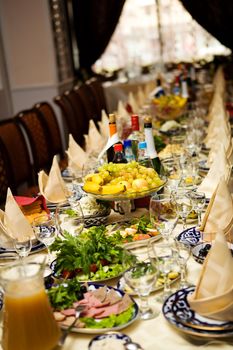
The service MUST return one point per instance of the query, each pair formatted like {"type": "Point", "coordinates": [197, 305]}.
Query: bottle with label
{"type": "Point", "coordinates": [113, 137]}
{"type": "Point", "coordinates": [135, 136]}
{"type": "Point", "coordinates": [176, 87]}
{"type": "Point", "coordinates": [128, 151]}
{"type": "Point", "coordinates": [119, 156]}
{"type": "Point", "coordinates": [149, 138]}
{"type": "Point", "coordinates": [143, 157]}
{"type": "Point", "coordinates": [159, 91]}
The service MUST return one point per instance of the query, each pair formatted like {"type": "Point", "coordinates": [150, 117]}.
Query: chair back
{"type": "Point", "coordinates": [38, 136]}
{"type": "Point", "coordinates": [98, 92]}
{"type": "Point", "coordinates": [88, 102]}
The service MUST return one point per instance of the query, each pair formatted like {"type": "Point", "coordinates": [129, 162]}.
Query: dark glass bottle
{"type": "Point", "coordinates": [112, 135]}
{"type": "Point", "coordinates": [119, 156]}
{"type": "Point", "coordinates": [149, 138]}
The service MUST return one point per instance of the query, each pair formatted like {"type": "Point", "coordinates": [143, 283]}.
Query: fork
{"type": "Point", "coordinates": [66, 332]}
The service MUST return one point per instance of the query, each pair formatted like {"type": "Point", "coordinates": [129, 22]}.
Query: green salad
{"type": "Point", "coordinates": [92, 255]}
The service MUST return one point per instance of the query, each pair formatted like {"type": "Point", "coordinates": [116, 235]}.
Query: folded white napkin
{"type": "Point", "coordinates": [219, 167]}
{"type": "Point", "coordinates": [219, 213]}
{"type": "Point", "coordinates": [52, 186]}
{"type": "Point", "coordinates": [77, 157]}
{"type": "Point", "coordinates": [94, 142]}
{"type": "Point", "coordinates": [121, 111]}
{"type": "Point", "coordinates": [103, 125]}
{"type": "Point", "coordinates": [13, 223]}
{"type": "Point", "coordinates": [140, 97]}
{"type": "Point", "coordinates": [213, 296]}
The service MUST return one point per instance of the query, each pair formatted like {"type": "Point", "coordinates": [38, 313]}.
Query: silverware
{"type": "Point", "coordinates": [66, 332]}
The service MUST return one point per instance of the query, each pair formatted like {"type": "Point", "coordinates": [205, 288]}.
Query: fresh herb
{"type": "Point", "coordinates": [111, 321]}
{"type": "Point", "coordinates": [142, 224]}
{"type": "Point", "coordinates": [88, 252]}
{"type": "Point", "coordinates": [141, 269]}
{"type": "Point", "coordinates": [62, 296]}
{"type": "Point", "coordinates": [71, 212]}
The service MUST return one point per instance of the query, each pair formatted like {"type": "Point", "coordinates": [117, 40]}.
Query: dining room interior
{"type": "Point", "coordinates": [116, 155]}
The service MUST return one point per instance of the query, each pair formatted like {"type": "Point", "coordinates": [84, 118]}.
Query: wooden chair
{"type": "Point", "coordinates": [71, 119]}
{"type": "Point", "coordinates": [15, 163]}
{"type": "Point", "coordinates": [88, 101]}
{"type": "Point", "coordinates": [49, 118]}
{"type": "Point", "coordinates": [38, 136]}
{"type": "Point", "coordinates": [98, 92]}
{"type": "Point", "coordinates": [79, 110]}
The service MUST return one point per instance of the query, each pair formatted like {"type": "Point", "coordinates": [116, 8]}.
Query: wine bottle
{"type": "Point", "coordinates": [119, 156]}
{"type": "Point", "coordinates": [135, 136]}
{"type": "Point", "coordinates": [143, 158]}
{"type": "Point", "coordinates": [149, 138]}
{"type": "Point", "coordinates": [113, 137]}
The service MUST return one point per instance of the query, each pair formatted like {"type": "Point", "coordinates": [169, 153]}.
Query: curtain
{"type": "Point", "coordinates": [215, 16]}
{"type": "Point", "coordinates": [94, 24]}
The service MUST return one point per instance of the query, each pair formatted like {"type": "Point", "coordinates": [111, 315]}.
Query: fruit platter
{"type": "Point", "coordinates": [104, 308]}
{"type": "Point", "coordinates": [169, 107]}
{"type": "Point", "coordinates": [123, 181]}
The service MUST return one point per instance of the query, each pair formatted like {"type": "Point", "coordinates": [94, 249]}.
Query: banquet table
{"type": "Point", "coordinates": [155, 333]}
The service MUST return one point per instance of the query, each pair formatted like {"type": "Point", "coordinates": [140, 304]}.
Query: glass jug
{"type": "Point", "coordinates": [28, 321]}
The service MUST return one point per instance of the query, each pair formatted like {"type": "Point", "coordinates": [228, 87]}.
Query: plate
{"type": "Point", "coordinates": [66, 175]}
{"type": "Point", "coordinates": [93, 286]}
{"type": "Point", "coordinates": [178, 313]}
{"type": "Point", "coordinates": [203, 166]}
{"type": "Point", "coordinates": [123, 286]}
{"type": "Point", "coordinates": [126, 196]}
{"type": "Point", "coordinates": [118, 337]}
{"type": "Point", "coordinates": [191, 236]}
{"type": "Point", "coordinates": [53, 268]}
{"type": "Point", "coordinates": [121, 226]}
{"type": "Point", "coordinates": [200, 251]}
{"type": "Point", "coordinates": [6, 253]}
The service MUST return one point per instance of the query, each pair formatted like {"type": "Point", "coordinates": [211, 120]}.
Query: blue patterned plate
{"type": "Point", "coordinates": [11, 253]}
{"type": "Point", "coordinates": [191, 236]}
{"type": "Point", "coordinates": [117, 338]}
{"type": "Point", "coordinates": [177, 312]}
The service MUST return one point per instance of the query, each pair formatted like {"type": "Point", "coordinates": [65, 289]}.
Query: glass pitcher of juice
{"type": "Point", "coordinates": [28, 321]}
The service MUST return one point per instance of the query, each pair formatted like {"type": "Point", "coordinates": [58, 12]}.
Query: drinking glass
{"type": "Point", "coordinates": [161, 256]}
{"type": "Point", "coordinates": [69, 218]}
{"type": "Point", "coordinates": [45, 229]}
{"type": "Point", "coordinates": [182, 253]}
{"type": "Point", "coordinates": [199, 200]}
{"type": "Point", "coordinates": [141, 278]}
{"type": "Point", "coordinates": [23, 246]}
{"type": "Point", "coordinates": [183, 204]}
{"type": "Point", "coordinates": [163, 214]}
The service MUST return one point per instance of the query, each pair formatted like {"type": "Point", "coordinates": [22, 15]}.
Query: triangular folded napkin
{"type": "Point", "coordinates": [219, 213]}
{"type": "Point", "coordinates": [77, 157]}
{"type": "Point", "coordinates": [103, 125]}
{"type": "Point", "coordinates": [220, 167]}
{"type": "Point", "coordinates": [213, 296]}
{"type": "Point", "coordinates": [52, 186]}
{"type": "Point", "coordinates": [94, 142]}
{"type": "Point", "coordinates": [13, 223]}
{"type": "Point", "coordinates": [133, 103]}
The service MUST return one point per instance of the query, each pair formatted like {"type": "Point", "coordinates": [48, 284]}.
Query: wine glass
{"type": "Point", "coordinates": [199, 200]}
{"type": "Point", "coordinates": [23, 246]}
{"type": "Point", "coordinates": [163, 215]}
{"type": "Point", "coordinates": [182, 253]}
{"type": "Point", "coordinates": [161, 255]}
{"type": "Point", "coordinates": [69, 218]}
{"type": "Point", "coordinates": [183, 204]}
{"type": "Point", "coordinates": [45, 229]}
{"type": "Point", "coordinates": [141, 276]}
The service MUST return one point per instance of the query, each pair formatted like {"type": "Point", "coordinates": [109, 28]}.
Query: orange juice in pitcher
{"type": "Point", "coordinates": [28, 321]}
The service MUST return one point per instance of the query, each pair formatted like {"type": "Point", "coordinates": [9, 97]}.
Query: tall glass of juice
{"type": "Point", "coordinates": [28, 321]}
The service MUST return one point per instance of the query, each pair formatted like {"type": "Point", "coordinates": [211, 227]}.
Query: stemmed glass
{"type": "Point", "coordinates": [182, 253]}
{"type": "Point", "coordinates": [69, 218]}
{"type": "Point", "coordinates": [183, 204]}
{"type": "Point", "coordinates": [163, 215]}
{"type": "Point", "coordinates": [45, 229]}
{"type": "Point", "coordinates": [23, 246]}
{"type": "Point", "coordinates": [161, 256]}
{"type": "Point", "coordinates": [141, 277]}
{"type": "Point", "coordinates": [199, 200]}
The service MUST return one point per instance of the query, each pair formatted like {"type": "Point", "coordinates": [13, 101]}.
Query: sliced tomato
{"type": "Point", "coordinates": [93, 268]}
